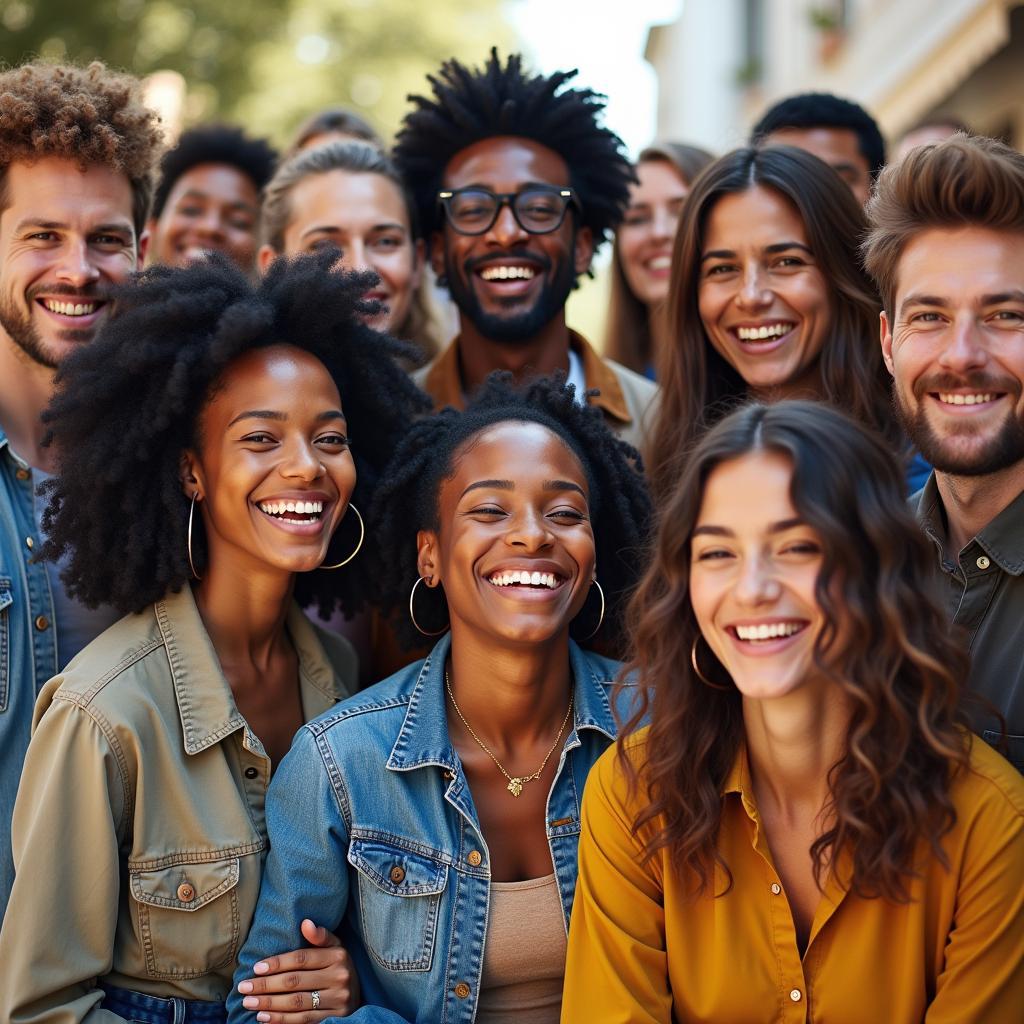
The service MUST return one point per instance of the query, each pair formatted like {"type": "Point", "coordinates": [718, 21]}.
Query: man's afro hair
{"type": "Point", "coordinates": [128, 404]}
{"type": "Point", "coordinates": [474, 104]}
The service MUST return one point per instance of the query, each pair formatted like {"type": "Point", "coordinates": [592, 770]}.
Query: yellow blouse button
{"type": "Point", "coordinates": [795, 995]}
{"type": "Point", "coordinates": [776, 888]}
{"type": "Point", "coordinates": [462, 990]}
{"type": "Point", "coordinates": [397, 874]}
{"type": "Point", "coordinates": [186, 892]}
{"type": "Point", "coordinates": [983, 562]}
{"type": "Point", "coordinates": [474, 858]}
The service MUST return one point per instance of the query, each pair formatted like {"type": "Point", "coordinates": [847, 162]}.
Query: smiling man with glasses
{"type": "Point", "coordinates": [516, 184]}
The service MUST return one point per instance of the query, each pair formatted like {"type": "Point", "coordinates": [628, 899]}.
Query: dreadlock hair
{"type": "Point", "coordinates": [470, 105]}
{"type": "Point", "coordinates": [128, 405]}
{"type": "Point", "coordinates": [215, 144]}
{"type": "Point", "coordinates": [406, 500]}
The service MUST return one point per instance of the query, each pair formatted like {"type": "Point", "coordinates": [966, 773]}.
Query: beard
{"type": "Point", "coordinates": [1004, 449]}
{"type": "Point", "coordinates": [515, 327]}
{"type": "Point", "coordinates": [20, 329]}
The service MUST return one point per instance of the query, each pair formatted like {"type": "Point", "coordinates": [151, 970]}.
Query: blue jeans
{"type": "Point", "coordinates": [138, 1007]}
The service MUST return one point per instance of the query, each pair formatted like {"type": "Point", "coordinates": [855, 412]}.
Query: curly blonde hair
{"type": "Point", "coordinates": [90, 115]}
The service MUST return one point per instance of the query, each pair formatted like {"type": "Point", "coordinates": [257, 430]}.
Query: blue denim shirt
{"type": "Point", "coordinates": [28, 642]}
{"type": "Point", "coordinates": [372, 826]}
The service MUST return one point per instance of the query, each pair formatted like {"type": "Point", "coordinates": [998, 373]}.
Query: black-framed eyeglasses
{"type": "Point", "coordinates": [539, 209]}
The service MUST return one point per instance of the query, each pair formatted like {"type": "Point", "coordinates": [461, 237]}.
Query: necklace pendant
{"type": "Point", "coordinates": [515, 786]}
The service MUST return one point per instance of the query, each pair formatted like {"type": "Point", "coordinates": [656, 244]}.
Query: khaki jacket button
{"type": "Point", "coordinates": [462, 990]}
{"type": "Point", "coordinates": [474, 858]}
{"type": "Point", "coordinates": [186, 892]}
{"type": "Point", "coordinates": [397, 874]}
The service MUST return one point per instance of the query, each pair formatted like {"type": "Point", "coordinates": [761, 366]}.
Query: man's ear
{"type": "Point", "coordinates": [419, 255]}
{"type": "Point", "coordinates": [427, 562]}
{"type": "Point", "coordinates": [190, 475]}
{"type": "Point", "coordinates": [583, 250]}
{"type": "Point", "coordinates": [437, 254]}
{"type": "Point", "coordinates": [143, 247]}
{"type": "Point", "coordinates": [885, 335]}
{"type": "Point", "coordinates": [266, 255]}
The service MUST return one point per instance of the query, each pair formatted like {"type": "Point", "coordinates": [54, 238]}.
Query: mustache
{"type": "Point", "coordinates": [93, 294]}
{"type": "Point", "coordinates": [971, 381]}
{"type": "Point", "coordinates": [523, 255]}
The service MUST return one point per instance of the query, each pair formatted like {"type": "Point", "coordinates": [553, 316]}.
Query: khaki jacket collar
{"type": "Point", "coordinates": [206, 704]}
{"type": "Point", "coordinates": [443, 381]}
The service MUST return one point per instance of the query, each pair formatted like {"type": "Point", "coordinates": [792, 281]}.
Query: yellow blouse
{"type": "Point", "coordinates": [640, 951]}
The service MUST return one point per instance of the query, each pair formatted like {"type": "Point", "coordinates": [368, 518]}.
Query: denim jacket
{"type": "Point", "coordinates": [371, 824]}
{"type": "Point", "coordinates": [28, 643]}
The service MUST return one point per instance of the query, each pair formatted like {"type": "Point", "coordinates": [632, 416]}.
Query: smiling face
{"type": "Point", "coordinates": [955, 348]}
{"type": "Point", "coordinates": [365, 216]}
{"type": "Point", "coordinates": [274, 472]}
{"type": "Point", "coordinates": [515, 547]}
{"type": "Point", "coordinates": [762, 298]}
{"type": "Point", "coordinates": [210, 208]}
{"type": "Point", "coordinates": [507, 282]}
{"type": "Point", "coordinates": [753, 570]}
{"type": "Point", "coordinates": [648, 229]}
{"type": "Point", "coordinates": [66, 236]}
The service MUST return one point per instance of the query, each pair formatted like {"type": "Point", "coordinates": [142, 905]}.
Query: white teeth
{"type": "Point", "coordinates": [517, 576]}
{"type": "Point", "coordinates": [761, 333]}
{"type": "Point", "coordinates": [279, 508]}
{"type": "Point", "coordinates": [660, 262]}
{"type": "Point", "coordinates": [977, 399]}
{"type": "Point", "coordinates": [508, 273]}
{"type": "Point", "coordinates": [70, 308]}
{"type": "Point", "coordinates": [768, 631]}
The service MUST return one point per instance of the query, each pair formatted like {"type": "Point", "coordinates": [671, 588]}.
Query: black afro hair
{"type": "Point", "coordinates": [407, 498]}
{"type": "Point", "coordinates": [128, 404]}
{"type": "Point", "coordinates": [470, 105]}
{"type": "Point", "coordinates": [215, 144]}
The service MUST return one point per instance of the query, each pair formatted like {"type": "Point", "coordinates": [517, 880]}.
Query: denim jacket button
{"type": "Point", "coordinates": [42, 623]}
{"type": "Point", "coordinates": [474, 858]}
{"type": "Point", "coordinates": [397, 874]}
{"type": "Point", "coordinates": [22, 474]}
{"type": "Point", "coordinates": [462, 990]}
{"type": "Point", "coordinates": [186, 892]}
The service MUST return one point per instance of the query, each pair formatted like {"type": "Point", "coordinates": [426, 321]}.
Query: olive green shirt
{"type": "Point", "coordinates": [984, 594]}
{"type": "Point", "coordinates": [139, 832]}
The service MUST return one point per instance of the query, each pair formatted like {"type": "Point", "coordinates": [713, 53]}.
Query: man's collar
{"type": "Point", "coordinates": [1002, 539]}
{"type": "Point", "coordinates": [443, 381]}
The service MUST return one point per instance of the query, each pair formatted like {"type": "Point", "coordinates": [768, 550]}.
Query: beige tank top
{"type": "Point", "coordinates": [524, 954]}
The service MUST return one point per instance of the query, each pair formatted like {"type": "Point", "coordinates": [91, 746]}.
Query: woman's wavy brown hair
{"type": "Point", "coordinates": [697, 385]}
{"type": "Point", "coordinates": [885, 644]}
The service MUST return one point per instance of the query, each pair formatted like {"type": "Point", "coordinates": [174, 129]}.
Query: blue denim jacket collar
{"type": "Point", "coordinates": [423, 739]}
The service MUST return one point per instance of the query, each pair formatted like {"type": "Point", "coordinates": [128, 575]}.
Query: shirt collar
{"type": "Point", "coordinates": [443, 381]}
{"type": "Point", "coordinates": [1002, 539]}
{"type": "Point", "coordinates": [424, 740]}
{"type": "Point", "coordinates": [206, 704]}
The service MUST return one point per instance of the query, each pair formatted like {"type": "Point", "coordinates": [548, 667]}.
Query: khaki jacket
{"type": "Point", "coordinates": [627, 400]}
{"type": "Point", "coordinates": [139, 831]}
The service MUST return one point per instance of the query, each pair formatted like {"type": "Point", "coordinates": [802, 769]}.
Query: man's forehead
{"type": "Point", "coordinates": [58, 190]}
{"type": "Point", "coordinates": [826, 143]}
{"type": "Point", "coordinates": [503, 162]}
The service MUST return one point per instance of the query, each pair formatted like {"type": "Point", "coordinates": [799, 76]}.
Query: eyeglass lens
{"type": "Point", "coordinates": [538, 211]}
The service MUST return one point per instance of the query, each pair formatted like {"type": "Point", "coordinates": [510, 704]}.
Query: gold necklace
{"type": "Point", "coordinates": [515, 782]}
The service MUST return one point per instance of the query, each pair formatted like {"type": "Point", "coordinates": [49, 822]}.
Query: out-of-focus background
{"type": "Point", "coordinates": [698, 71]}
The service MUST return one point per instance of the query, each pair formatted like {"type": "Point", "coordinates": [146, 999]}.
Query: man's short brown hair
{"type": "Point", "coordinates": [89, 115]}
{"type": "Point", "coordinates": [966, 181]}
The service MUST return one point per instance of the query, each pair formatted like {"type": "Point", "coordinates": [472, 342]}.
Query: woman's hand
{"type": "Point", "coordinates": [283, 992]}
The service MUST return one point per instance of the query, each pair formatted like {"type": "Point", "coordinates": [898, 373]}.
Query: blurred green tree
{"type": "Point", "coordinates": [264, 63]}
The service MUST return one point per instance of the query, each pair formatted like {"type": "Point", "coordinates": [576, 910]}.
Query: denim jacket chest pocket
{"type": "Point", "coordinates": [399, 894]}
{"type": "Point", "coordinates": [188, 916]}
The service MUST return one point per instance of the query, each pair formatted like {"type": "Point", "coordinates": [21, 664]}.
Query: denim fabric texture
{"type": "Point", "coordinates": [138, 1008]}
{"type": "Point", "coordinates": [28, 642]}
{"type": "Point", "coordinates": [372, 828]}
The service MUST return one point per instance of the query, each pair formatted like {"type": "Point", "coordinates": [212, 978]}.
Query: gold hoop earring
{"type": "Point", "coordinates": [362, 534]}
{"type": "Point", "coordinates": [600, 619]}
{"type": "Point", "coordinates": [412, 614]}
{"type": "Point", "coordinates": [188, 544]}
{"type": "Point", "coordinates": [696, 668]}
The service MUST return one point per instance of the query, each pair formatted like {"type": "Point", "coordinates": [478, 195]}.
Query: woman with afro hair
{"type": "Point", "coordinates": [207, 487]}
{"type": "Point", "coordinates": [440, 815]}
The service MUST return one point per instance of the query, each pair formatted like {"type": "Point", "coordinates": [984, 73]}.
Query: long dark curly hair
{"type": "Point", "coordinates": [407, 497]}
{"type": "Point", "coordinates": [128, 405]}
{"type": "Point", "coordinates": [886, 645]}
{"type": "Point", "coordinates": [698, 386]}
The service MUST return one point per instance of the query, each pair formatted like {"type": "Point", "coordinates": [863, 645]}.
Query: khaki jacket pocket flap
{"type": "Point", "coordinates": [185, 887]}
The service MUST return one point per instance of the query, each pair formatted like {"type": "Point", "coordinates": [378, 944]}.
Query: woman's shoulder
{"type": "Point", "coordinates": [989, 785]}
